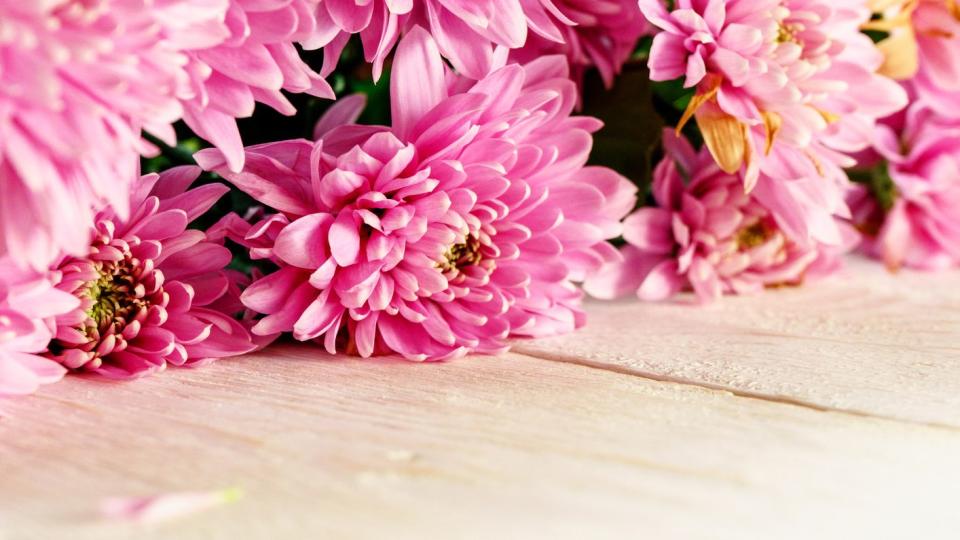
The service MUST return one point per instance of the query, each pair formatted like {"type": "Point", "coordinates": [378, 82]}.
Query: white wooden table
{"type": "Point", "coordinates": [831, 411]}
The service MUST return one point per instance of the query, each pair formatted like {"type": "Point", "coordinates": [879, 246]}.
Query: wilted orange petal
{"type": "Point", "coordinates": [707, 91]}
{"type": "Point", "coordinates": [954, 8]}
{"type": "Point", "coordinates": [902, 56]}
{"type": "Point", "coordinates": [724, 135]}
{"type": "Point", "coordinates": [773, 122]}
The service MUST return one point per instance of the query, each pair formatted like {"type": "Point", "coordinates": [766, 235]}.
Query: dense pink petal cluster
{"type": "Point", "coordinates": [784, 87]}
{"type": "Point", "coordinates": [476, 35]}
{"type": "Point", "coordinates": [709, 236]}
{"type": "Point", "coordinates": [590, 33]}
{"type": "Point", "coordinates": [80, 79]}
{"type": "Point", "coordinates": [910, 212]}
{"type": "Point", "coordinates": [77, 81]}
{"type": "Point", "coordinates": [249, 57]}
{"type": "Point", "coordinates": [239, 230]}
{"type": "Point", "coordinates": [146, 286]}
{"type": "Point", "coordinates": [28, 302]}
{"type": "Point", "coordinates": [470, 33]}
{"type": "Point", "coordinates": [465, 223]}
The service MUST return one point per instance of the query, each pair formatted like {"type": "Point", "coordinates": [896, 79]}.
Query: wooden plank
{"type": "Point", "coordinates": [505, 447]}
{"type": "Point", "coordinates": [866, 341]}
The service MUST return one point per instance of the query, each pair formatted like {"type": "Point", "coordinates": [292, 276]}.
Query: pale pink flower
{"type": "Point", "coordinates": [249, 57]}
{"type": "Point", "coordinates": [709, 236]}
{"type": "Point", "coordinates": [937, 81]}
{"type": "Point", "coordinates": [146, 286]}
{"type": "Point", "coordinates": [28, 302]}
{"type": "Point", "coordinates": [778, 82]}
{"type": "Point", "coordinates": [591, 33]}
{"type": "Point", "coordinates": [910, 212]}
{"type": "Point", "coordinates": [465, 223]}
{"type": "Point", "coordinates": [77, 81]}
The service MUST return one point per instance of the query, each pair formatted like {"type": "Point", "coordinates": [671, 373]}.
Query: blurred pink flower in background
{"type": "Point", "coordinates": [784, 87]}
{"type": "Point", "coordinates": [28, 302]}
{"type": "Point", "coordinates": [937, 82]}
{"type": "Point", "coordinates": [146, 285]}
{"type": "Point", "coordinates": [77, 81]}
{"type": "Point", "coordinates": [591, 33]}
{"type": "Point", "coordinates": [465, 223]}
{"type": "Point", "coordinates": [910, 212]}
{"type": "Point", "coordinates": [709, 236]}
{"type": "Point", "coordinates": [80, 79]}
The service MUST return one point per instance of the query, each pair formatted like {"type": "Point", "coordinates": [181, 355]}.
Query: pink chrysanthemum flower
{"type": "Point", "coordinates": [249, 57]}
{"type": "Point", "coordinates": [77, 81]}
{"type": "Point", "coordinates": [591, 33]}
{"type": "Point", "coordinates": [28, 302]}
{"type": "Point", "coordinates": [240, 231]}
{"type": "Point", "coordinates": [146, 284]}
{"type": "Point", "coordinates": [476, 35]}
{"type": "Point", "coordinates": [468, 32]}
{"type": "Point", "coordinates": [923, 46]}
{"type": "Point", "coordinates": [780, 83]}
{"type": "Point", "coordinates": [708, 236]}
{"type": "Point", "coordinates": [937, 24]}
{"type": "Point", "coordinates": [464, 224]}
{"type": "Point", "coordinates": [910, 212]}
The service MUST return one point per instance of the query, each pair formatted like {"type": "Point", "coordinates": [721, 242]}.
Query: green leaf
{"type": "Point", "coordinates": [630, 140]}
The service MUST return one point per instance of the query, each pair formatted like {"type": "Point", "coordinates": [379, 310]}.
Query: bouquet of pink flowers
{"type": "Point", "coordinates": [434, 178]}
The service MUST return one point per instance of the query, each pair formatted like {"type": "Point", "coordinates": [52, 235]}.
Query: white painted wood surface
{"type": "Point", "coordinates": [866, 341]}
{"type": "Point", "coordinates": [523, 446]}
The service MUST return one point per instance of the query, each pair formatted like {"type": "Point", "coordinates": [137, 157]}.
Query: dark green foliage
{"type": "Point", "coordinates": [878, 182]}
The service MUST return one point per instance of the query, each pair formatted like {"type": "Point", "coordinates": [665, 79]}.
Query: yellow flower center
{"type": "Point", "coordinates": [754, 236]}
{"type": "Point", "coordinates": [786, 33]}
{"type": "Point", "coordinates": [461, 255]}
{"type": "Point", "coordinates": [115, 295]}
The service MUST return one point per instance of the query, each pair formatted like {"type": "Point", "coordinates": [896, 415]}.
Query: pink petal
{"type": "Point", "coordinates": [661, 283]}
{"type": "Point", "coordinates": [165, 507]}
{"type": "Point", "coordinates": [417, 84]}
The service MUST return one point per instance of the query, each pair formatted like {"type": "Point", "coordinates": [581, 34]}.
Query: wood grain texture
{"type": "Point", "coordinates": [506, 447]}
{"type": "Point", "coordinates": [866, 341]}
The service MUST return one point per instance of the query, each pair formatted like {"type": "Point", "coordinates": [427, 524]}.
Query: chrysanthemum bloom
{"type": "Point", "coordinates": [465, 223]}
{"type": "Point", "coordinates": [241, 231]}
{"type": "Point", "coordinates": [781, 85]}
{"type": "Point", "coordinates": [476, 35]}
{"type": "Point", "coordinates": [249, 57]}
{"type": "Point", "coordinates": [708, 236]}
{"type": "Point", "coordinates": [77, 81]}
{"type": "Point", "coordinates": [146, 285]}
{"type": "Point", "coordinates": [923, 46]}
{"type": "Point", "coordinates": [590, 33]}
{"type": "Point", "coordinates": [468, 32]}
{"type": "Point", "coordinates": [910, 213]}
{"type": "Point", "coordinates": [28, 302]}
